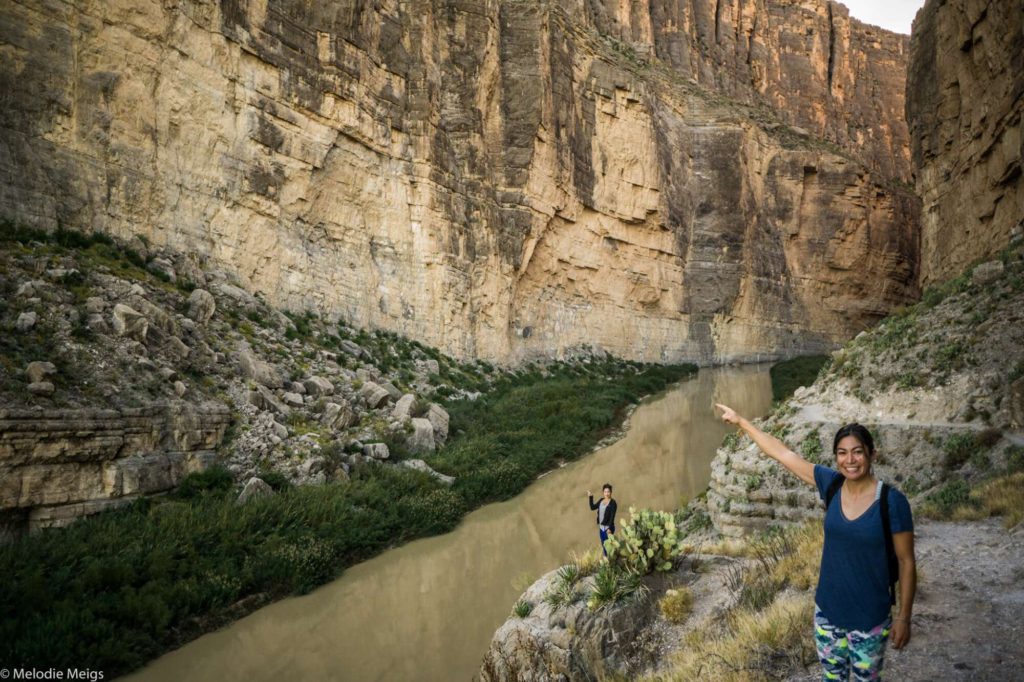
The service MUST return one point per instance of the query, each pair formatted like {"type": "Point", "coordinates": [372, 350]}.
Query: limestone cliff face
{"type": "Point", "coordinates": [500, 179]}
{"type": "Point", "coordinates": [964, 107]}
{"type": "Point", "coordinates": [839, 78]}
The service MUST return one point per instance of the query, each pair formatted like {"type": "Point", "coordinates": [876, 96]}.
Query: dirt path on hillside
{"type": "Point", "coordinates": [969, 613]}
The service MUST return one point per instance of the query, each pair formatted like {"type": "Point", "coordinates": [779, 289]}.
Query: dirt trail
{"type": "Point", "coordinates": [969, 612]}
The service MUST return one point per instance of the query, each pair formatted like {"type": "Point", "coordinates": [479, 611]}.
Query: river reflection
{"type": "Point", "coordinates": [426, 611]}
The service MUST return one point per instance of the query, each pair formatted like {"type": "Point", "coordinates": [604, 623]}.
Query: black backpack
{"type": "Point", "coordinates": [890, 550]}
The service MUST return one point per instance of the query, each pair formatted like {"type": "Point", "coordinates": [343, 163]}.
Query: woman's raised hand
{"type": "Point", "coordinates": [728, 414]}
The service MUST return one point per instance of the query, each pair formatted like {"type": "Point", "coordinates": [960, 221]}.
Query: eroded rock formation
{"type": "Point", "coordinates": [964, 104]}
{"type": "Point", "coordinates": [500, 179]}
{"type": "Point", "coordinates": [60, 464]}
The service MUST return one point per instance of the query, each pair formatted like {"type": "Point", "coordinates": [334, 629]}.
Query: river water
{"type": "Point", "coordinates": [427, 610]}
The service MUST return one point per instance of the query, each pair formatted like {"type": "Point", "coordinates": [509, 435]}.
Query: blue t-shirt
{"type": "Point", "coordinates": [853, 584]}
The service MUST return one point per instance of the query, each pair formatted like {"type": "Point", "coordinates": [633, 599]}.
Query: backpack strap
{"type": "Point", "coordinates": [890, 550]}
{"type": "Point", "coordinates": [833, 488]}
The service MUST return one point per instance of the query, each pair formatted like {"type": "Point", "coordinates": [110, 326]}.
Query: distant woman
{"type": "Point", "coordinates": [605, 513]}
{"type": "Point", "coordinates": [852, 620]}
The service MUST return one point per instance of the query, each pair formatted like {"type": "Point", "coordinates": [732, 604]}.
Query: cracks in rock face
{"type": "Point", "coordinates": [831, 46]}
{"type": "Point", "coordinates": [718, 20]}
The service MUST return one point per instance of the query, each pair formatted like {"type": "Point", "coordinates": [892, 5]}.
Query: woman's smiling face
{"type": "Point", "coordinates": [852, 458]}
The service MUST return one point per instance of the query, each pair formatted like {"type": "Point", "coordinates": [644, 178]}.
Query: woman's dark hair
{"type": "Point", "coordinates": [607, 486]}
{"type": "Point", "coordinates": [858, 432]}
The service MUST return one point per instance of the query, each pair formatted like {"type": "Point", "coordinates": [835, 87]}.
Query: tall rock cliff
{"type": "Point", "coordinates": [964, 104]}
{"type": "Point", "coordinates": [502, 179]}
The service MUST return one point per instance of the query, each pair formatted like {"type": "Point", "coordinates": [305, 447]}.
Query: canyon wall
{"type": "Point", "coordinates": [706, 181]}
{"type": "Point", "coordinates": [964, 105]}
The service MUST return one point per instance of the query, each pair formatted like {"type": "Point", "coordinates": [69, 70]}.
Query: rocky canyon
{"type": "Point", "coordinates": [665, 181]}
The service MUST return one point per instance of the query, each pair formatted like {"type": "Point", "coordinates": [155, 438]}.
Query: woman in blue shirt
{"type": "Point", "coordinates": [852, 621]}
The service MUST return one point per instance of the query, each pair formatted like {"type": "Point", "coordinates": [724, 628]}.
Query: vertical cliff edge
{"type": "Point", "coordinates": [964, 103]}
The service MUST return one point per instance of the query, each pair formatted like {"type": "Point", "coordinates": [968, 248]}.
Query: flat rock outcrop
{"type": "Point", "coordinates": [704, 181]}
{"type": "Point", "coordinates": [56, 465]}
{"type": "Point", "coordinates": [965, 99]}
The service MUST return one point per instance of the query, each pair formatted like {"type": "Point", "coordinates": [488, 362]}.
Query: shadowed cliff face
{"type": "Point", "coordinates": [964, 106]}
{"type": "Point", "coordinates": [500, 179]}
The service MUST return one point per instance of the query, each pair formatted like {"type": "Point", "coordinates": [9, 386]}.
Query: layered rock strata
{"type": "Point", "coordinates": [964, 105]}
{"type": "Point", "coordinates": [57, 465]}
{"type": "Point", "coordinates": [503, 180]}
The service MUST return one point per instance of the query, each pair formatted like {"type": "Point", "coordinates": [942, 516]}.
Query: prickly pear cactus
{"type": "Point", "coordinates": [649, 541]}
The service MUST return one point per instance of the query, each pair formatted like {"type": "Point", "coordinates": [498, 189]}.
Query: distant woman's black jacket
{"type": "Point", "coordinates": [609, 512]}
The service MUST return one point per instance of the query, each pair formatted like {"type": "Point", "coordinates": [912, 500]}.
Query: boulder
{"type": "Point", "coordinates": [129, 322]}
{"type": "Point", "coordinates": [986, 273]}
{"type": "Point", "coordinates": [162, 265]}
{"type": "Point", "coordinates": [41, 388]}
{"type": "Point", "coordinates": [38, 371]}
{"type": "Point", "coordinates": [292, 399]}
{"type": "Point", "coordinates": [265, 399]}
{"type": "Point", "coordinates": [254, 489]}
{"type": "Point", "coordinates": [420, 465]}
{"type": "Point", "coordinates": [422, 437]}
{"type": "Point", "coordinates": [259, 371]}
{"type": "Point", "coordinates": [376, 451]}
{"type": "Point", "coordinates": [176, 347]}
{"type": "Point", "coordinates": [26, 321]}
{"type": "Point", "coordinates": [338, 415]}
{"type": "Point", "coordinates": [240, 296]}
{"type": "Point", "coordinates": [403, 408]}
{"type": "Point", "coordinates": [431, 366]}
{"type": "Point", "coordinates": [97, 324]}
{"type": "Point", "coordinates": [317, 386]}
{"type": "Point", "coordinates": [438, 418]}
{"type": "Point", "coordinates": [352, 348]}
{"type": "Point", "coordinates": [95, 304]}
{"type": "Point", "coordinates": [373, 394]}
{"type": "Point", "coordinates": [296, 387]}
{"type": "Point", "coordinates": [392, 390]}
{"type": "Point", "coordinates": [201, 305]}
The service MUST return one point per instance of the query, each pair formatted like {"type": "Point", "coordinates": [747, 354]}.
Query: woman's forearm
{"type": "Point", "coordinates": [908, 587]}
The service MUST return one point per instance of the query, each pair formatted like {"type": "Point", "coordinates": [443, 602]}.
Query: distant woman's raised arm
{"type": "Point", "coordinates": [770, 445]}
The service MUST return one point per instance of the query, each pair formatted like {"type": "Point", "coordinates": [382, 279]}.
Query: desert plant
{"type": "Point", "coordinates": [676, 605]}
{"type": "Point", "coordinates": [522, 608]}
{"type": "Point", "coordinates": [649, 541]}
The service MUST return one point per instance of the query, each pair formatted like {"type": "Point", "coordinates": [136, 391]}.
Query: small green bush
{"type": "Point", "coordinates": [676, 605]}
{"type": "Point", "coordinates": [943, 501]}
{"type": "Point", "coordinates": [522, 608]}
{"type": "Point", "coordinates": [215, 479]}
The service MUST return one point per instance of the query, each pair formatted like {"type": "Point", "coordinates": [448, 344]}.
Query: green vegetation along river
{"type": "Point", "coordinates": [427, 610]}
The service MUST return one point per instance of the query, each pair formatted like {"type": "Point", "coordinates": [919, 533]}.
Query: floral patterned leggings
{"type": "Point", "coordinates": [843, 651]}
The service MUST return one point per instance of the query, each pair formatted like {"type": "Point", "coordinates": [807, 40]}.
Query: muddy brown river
{"type": "Point", "coordinates": [427, 610]}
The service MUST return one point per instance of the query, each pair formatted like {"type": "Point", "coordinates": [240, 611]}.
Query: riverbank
{"type": "Point", "coordinates": [940, 386]}
{"type": "Point", "coordinates": [333, 419]}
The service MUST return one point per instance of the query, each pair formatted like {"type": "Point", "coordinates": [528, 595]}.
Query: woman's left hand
{"type": "Point", "coordinates": [900, 633]}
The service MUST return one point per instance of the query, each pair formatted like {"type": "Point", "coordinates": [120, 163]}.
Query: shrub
{"type": "Point", "coordinates": [942, 502]}
{"type": "Point", "coordinates": [522, 608]}
{"type": "Point", "coordinates": [676, 605]}
{"type": "Point", "coordinates": [649, 541]}
{"type": "Point", "coordinates": [958, 449]}
{"type": "Point", "coordinates": [215, 479]}
{"type": "Point", "coordinates": [789, 375]}
{"type": "Point", "coordinates": [810, 448]}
